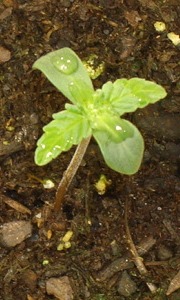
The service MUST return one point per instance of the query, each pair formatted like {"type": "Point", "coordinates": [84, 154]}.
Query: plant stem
{"type": "Point", "coordinates": [70, 173]}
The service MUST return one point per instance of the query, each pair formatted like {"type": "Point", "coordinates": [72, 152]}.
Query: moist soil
{"type": "Point", "coordinates": [122, 35]}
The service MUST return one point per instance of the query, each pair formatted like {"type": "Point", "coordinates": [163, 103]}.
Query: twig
{"type": "Point", "coordinates": [125, 262]}
{"type": "Point", "coordinates": [70, 173]}
{"type": "Point", "coordinates": [171, 230]}
{"type": "Point", "coordinates": [137, 259]}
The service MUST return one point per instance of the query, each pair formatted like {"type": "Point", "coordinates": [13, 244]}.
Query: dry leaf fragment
{"type": "Point", "coordinates": [174, 284]}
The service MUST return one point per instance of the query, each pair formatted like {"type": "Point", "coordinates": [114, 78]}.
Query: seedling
{"type": "Point", "coordinates": [96, 113]}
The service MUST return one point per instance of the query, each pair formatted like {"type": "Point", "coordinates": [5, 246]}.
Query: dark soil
{"type": "Point", "coordinates": [122, 34]}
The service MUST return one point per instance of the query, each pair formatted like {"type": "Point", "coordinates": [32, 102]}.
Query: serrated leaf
{"type": "Point", "coordinates": [70, 112]}
{"type": "Point", "coordinates": [66, 130]}
{"type": "Point", "coordinates": [146, 91]}
{"type": "Point", "coordinates": [128, 95]}
{"type": "Point", "coordinates": [124, 156]}
{"type": "Point", "coordinates": [63, 68]}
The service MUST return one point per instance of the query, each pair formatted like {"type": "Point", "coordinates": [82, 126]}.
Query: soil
{"type": "Point", "coordinates": [123, 36]}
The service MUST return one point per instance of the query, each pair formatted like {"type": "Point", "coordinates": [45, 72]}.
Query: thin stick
{"type": "Point", "coordinates": [137, 259]}
{"type": "Point", "coordinates": [125, 262]}
{"type": "Point", "coordinates": [70, 173]}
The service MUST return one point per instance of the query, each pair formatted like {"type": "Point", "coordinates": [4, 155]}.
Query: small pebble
{"type": "Point", "coordinates": [8, 3]}
{"type": "Point", "coordinates": [14, 233]}
{"type": "Point", "coordinates": [29, 277]}
{"type": "Point", "coordinates": [66, 3]}
{"type": "Point", "coordinates": [60, 288]}
{"type": "Point", "coordinates": [5, 55]}
{"type": "Point", "coordinates": [126, 286]}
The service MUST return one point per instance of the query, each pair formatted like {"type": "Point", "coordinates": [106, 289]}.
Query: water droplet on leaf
{"type": "Point", "coordinates": [66, 63]}
{"type": "Point", "coordinates": [118, 127]}
{"type": "Point", "coordinates": [49, 154]}
{"type": "Point", "coordinates": [57, 147]}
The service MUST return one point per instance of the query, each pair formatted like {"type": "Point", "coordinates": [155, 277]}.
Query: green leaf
{"type": "Point", "coordinates": [64, 69]}
{"type": "Point", "coordinates": [81, 91]}
{"type": "Point", "coordinates": [68, 128]}
{"type": "Point", "coordinates": [128, 95]}
{"type": "Point", "coordinates": [116, 128]}
{"type": "Point", "coordinates": [123, 155]}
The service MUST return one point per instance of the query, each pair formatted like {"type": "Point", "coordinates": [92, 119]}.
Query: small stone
{"type": "Point", "coordinates": [60, 288]}
{"type": "Point", "coordinates": [14, 233]}
{"type": "Point", "coordinates": [6, 13]}
{"type": "Point", "coordinates": [29, 277]}
{"type": "Point", "coordinates": [164, 253]}
{"type": "Point", "coordinates": [8, 3]}
{"type": "Point", "coordinates": [126, 285]}
{"type": "Point", "coordinates": [5, 54]}
{"type": "Point", "coordinates": [66, 3]}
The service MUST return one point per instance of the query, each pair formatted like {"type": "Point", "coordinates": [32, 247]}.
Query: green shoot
{"type": "Point", "coordinates": [96, 113]}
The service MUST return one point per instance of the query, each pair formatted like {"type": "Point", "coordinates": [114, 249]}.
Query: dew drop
{"type": "Point", "coordinates": [57, 147]}
{"type": "Point", "coordinates": [56, 150]}
{"type": "Point", "coordinates": [66, 63]}
{"type": "Point", "coordinates": [49, 154]}
{"type": "Point", "coordinates": [118, 127]}
{"type": "Point", "coordinates": [42, 146]}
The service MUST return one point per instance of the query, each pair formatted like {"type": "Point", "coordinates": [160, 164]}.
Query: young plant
{"type": "Point", "coordinates": [96, 113]}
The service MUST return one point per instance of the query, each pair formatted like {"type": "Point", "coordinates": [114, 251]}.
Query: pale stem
{"type": "Point", "coordinates": [70, 173]}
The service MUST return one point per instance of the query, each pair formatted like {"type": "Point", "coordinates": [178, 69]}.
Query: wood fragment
{"type": "Point", "coordinates": [174, 284]}
{"type": "Point", "coordinates": [171, 230]}
{"type": "Point", "coordinates": [136, 257]}
{"type": "Point", "coordinates": [125, 262]}
{"type": "Point", "coordinates": [16, 205]}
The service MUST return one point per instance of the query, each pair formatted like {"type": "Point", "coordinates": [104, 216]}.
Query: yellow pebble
{"type": "Point", "coordinates": [101, 184]}
{"type": "Point", "coordinates": [160, 26]}
{"type": "Point", "coordinates": [67, 236]}
{"type": "Point", "coordinates": [174, 38]}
